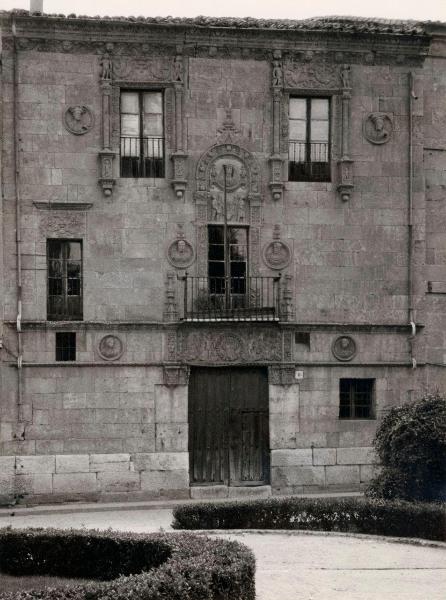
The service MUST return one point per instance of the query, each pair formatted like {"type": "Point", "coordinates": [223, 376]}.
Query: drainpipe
{"type": "Point", "coordinates": [412, 324]}
{"type": "Point", "coordinates": [18, 231]}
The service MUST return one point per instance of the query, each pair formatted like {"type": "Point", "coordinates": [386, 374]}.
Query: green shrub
{"type": "Point", "coordinates": [137, 566]}
{"type": "Point", "coordinates": [411, 445]}
{"type": "Point", "coordinates": [379, 517]}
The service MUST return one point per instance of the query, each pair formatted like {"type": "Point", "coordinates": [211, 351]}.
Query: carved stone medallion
{"type": "Point", "coordinates": [344, 348]}
{"type": "Point", "coordinates": [78, 119]}
{"type": "Point", "coordinates": [277, 255]}
{"type": "Point", "coordinates": [378, 128]}
{"type": "Point", "coordinates": [110, 347]}
{"type": "Point", "coordinates": [180, 254]}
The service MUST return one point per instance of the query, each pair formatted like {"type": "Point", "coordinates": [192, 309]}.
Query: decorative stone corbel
{"type": "Point", "coordinates": [179, 181]}
{"type": "Point", "coordinates": [276, 160]}
{"type": "Point", "coordinates": [174, 375]}
{"type": "Point", "coordinates": [106, 155]}
{"type": "Point", "coordinates": [281, 375]}
{"type": "Point", "coordinates": [345, 165]}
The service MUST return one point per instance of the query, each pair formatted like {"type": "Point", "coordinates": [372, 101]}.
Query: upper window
{"type": "Point", "coordinates": [64, 260]}
{"type": "Point", "coordinates": [309, 139]}
{"type": "Point", "coordinates": [356, 398]}
{"type": "Point", "coordinates": [228, 260]}
{"type": "Point", "coordinates": [142, 134]}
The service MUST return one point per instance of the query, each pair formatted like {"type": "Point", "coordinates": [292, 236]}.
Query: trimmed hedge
{"type": "Point", "coordinates": [136, 566]}
{"type": "Point", "coordinates": [379, 517]}
{"type": "Point", "coordinates": [411, 444]}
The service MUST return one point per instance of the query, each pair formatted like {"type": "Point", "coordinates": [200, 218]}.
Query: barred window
{"type": "Point", "coordinates": [356, 398]}
{"type": "Point", "coordinates": [309, 139]}
{"type": "Point", "coordinates": [65, 345]}
{"type": "Point", "coordinates": [64, 263]}
{"type": "Point", "coordinates": [142, 134]}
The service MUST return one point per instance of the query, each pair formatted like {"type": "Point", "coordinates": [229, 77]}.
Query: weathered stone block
{"type": "Point", "coordinates": [292, 476]}
{"type": "Point", "coordinates": [171, 404]}
{"type": "Point", "coordinates": [171, 437]}
{"type": "Point", "coordinates": [164, 480]}
{"type": "Point", "coordinates": [161, 461]}
{"type": "Point", "coordinates": [7, 465]}
{"type": "Point", "coordinates": [354, 456]}
{"type": "Point", "coordinates": [110, 462]}
{"type": "Point", "coordinates": [324, 456]}
{"type": "Point", "coordinates": [7, 484]}
{"type": "Point", "coordinates": [291, 458]}
{"type": "Point", "coordinates": [211, 492]}
{"type": "Point", "coordinates": [261, 491]}
{"type": "Point", "coordinates": [367, 472]}
{"type": "Point", "coordinates": [283, 432]}
{"type": "Point", "coordinates": [284, 400]}
{"type": "Point", "coordinates": [342, 475]}
{"type": "Point", "coordinates": [75, 483]}
{"type": "Point", "coordinates": [117, 481]}
{"type": "Point", "coordinates": [26, 465]}
{"type": "Point", "coordinates": [72, 463]}
{"type": "Point", "coordinates": [34, 484]}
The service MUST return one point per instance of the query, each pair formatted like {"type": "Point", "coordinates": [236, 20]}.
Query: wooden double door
{"type": "Point", "coordinates": [229, 426]}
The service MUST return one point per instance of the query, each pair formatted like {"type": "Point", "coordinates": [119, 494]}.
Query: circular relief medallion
{"type": "Point", "coordinates": [78, 119]}
{"type": "Point", "coordinates": [378, 128]}
{"type": "Point", "coordinates": [110, 347]}
{"type": "Point", "coordinates": [277, 255]}
{"type": "Point", "coordinates": [180, 254]}
{"type": "Point", "coordinates": [344, 348]}
{"type": "Point", "coordinates": [229, 347]}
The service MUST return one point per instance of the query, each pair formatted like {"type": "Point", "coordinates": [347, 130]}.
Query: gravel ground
{"type": "Point", "coordinates": [295, 566]}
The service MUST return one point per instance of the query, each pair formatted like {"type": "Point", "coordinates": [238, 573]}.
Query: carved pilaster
{"type": "Point", "coordinates": [170, 306]}
{"type": "Point", "coordinates": [179, 157]}
{"type": "Point", "coordinates": [106, 155]}
{"type": "Point", "coordinates": [276, 161]}
{"type": "Point", "coordinates": [345, 165]}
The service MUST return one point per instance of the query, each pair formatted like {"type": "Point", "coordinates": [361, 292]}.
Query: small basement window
{"type": "Point", "coordinates": [65, 345]}
{"type": "Point", "coordinates": [356, 398]}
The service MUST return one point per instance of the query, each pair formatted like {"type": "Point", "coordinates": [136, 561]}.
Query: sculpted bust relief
{"type": "Point", "coordinates": [78, 119]}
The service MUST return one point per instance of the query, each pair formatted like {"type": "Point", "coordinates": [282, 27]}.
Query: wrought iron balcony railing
{"type": "Point", "coordinates": [231, 298]}
{"type": "Point", "coordinates": [308, 161]}
{"type": "Point", "coordinates": [142, 157]}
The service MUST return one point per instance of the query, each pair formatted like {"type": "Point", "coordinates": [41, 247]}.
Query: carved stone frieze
{"type": "Point", "coordinates": [171, 345]}
{"type": "Point", "coordinates": [142, 69]}
{"type": "Point", "coordinates": [228, 346]}
{"type": "Point", "coordinates": [310, 75]}
{"type": "Point", "coordinates": [78, 119]}
{"type": "Point", "coordinates": [63, 224]}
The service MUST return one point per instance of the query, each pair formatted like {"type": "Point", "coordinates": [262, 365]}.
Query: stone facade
{"type": "Point", "coordinates": [361, 257]}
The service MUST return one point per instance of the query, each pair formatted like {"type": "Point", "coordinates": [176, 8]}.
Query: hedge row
{"type": "Point", "coordinates": [379, 517]}
{"type": "Point", "coordinates": [136, 566]}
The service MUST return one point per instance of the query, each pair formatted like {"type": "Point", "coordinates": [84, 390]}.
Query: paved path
{"type": "Point", "coordinates": [294, 566]}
